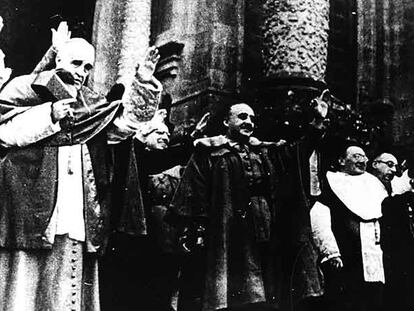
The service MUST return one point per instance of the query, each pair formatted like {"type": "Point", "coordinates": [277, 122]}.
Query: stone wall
{"type": "Point", "coordinates": [201, 44]}
{"type": "Point", "coordinates": [121, 37]}
{"type": "Point", "coordinates": [386, 62]}
{"type": "Point", "coordinates": [341, 75]}
{"type": "Point", "coordinates": [212, 49]}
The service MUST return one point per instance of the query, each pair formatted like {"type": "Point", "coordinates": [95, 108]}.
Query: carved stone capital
{"type": "Point", "coordinates": [296, 38]}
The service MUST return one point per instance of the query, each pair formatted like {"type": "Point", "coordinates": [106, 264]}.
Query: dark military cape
{"type": "Point", "coordinates": [291, 252]}
{"type": "Point", "coordinates": [234, 268]}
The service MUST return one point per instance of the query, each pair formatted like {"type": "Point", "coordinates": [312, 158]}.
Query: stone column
{"type": "Point", "coordinates": [295, 51]}
{"type": "Point", "coordinates": [121, 36]}
{"type": "Point", "coordinates": [296, 38]}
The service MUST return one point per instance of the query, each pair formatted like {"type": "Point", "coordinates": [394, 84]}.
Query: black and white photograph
{"type": "Point", "coordinates": [206, 155]}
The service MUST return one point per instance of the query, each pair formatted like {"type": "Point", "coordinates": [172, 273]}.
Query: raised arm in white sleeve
{"type": "Point", "coordinates": [139, 107]}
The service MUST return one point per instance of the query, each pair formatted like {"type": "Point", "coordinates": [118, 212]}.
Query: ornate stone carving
{"type": "Point", "coordinates": [296, 38]}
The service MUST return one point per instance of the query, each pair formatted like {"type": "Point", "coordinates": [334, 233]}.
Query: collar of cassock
{"type": "Point", "coordinates": [361, 194]}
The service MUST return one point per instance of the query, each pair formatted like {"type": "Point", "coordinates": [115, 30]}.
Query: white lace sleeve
{"type": "Point", "coordinates": [139, 106]}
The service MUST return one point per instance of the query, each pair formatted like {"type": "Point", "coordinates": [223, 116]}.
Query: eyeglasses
{"type": "Point", "coordinates": [390, 164]}
{"type": "Point", "coordinates": [244, 115]}
{"type": "Point", "coordinates": [359, 156]}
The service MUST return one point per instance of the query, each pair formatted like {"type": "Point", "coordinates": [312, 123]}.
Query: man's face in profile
{"type": "Point", "coordinates": [385, 167]}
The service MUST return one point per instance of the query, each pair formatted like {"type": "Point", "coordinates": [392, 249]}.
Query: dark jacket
{"type": "Point", "coordinates": [397, 228]}
{"type": "Point", "coordinates": [132, 166]}
{"type": "Point", "coordinates": [397, 242]}
{"type": "Point", "coordinates": [214, 175]}
{"type": "Point", "coordinates": [215, 192]}
{"type": "Point", "coordinates": [287, 188]}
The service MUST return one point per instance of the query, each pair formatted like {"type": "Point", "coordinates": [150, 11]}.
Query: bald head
{"type": "Point", "coordinates": [77, 47]}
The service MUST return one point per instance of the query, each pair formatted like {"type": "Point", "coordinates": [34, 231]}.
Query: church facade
{"type": "Point", "coordinates": [274, 53]}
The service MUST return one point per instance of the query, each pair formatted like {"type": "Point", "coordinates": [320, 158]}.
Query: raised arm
{"type": "Point", "coordinates": [141, 101]}
{"type": "Point", "coordinates": [59, 36]}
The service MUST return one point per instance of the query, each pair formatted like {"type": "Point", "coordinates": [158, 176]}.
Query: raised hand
{"type": "Point", "coordinates": [60, 35]}
{"type": "Point", "coordinates": [147, 68]}
{"type": "Point", "coordinates": [159, 115]}
{"type": "Point", "coordinates": [201, 126]}
{"type": "Point", "coordinates": [321, 104]}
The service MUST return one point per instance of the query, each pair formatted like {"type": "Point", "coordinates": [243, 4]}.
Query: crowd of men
{"type": "Point", "coordinates": [98, 211]}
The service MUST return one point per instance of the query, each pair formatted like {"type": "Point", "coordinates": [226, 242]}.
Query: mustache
{"type": "Point", "coordinates": [360, 165]}
{"type": "Point", "coordinates": [247, 127]}
{"type": "Point", "coordinates": [163, 140]}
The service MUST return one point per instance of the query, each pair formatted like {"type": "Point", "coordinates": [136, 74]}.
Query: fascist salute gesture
{"type": "Point", "coordinates": [147, 68]}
